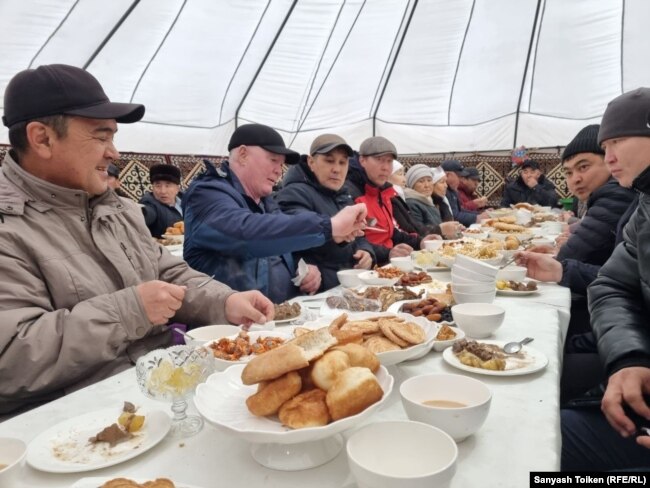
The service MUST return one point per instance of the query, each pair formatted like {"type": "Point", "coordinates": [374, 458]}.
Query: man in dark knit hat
{"type": "Point", "coordinates": [162, 206]}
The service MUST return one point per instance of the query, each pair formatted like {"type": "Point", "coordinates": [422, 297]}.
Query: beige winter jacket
{"type": "Point", "coordinates": [69, 311]}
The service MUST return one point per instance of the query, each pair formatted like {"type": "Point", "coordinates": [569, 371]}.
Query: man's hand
{"type": "Point", "coordinates": [540, 267]}
{"type": "Point", "coordinates": [349, 222]}
{"type": "Point", "coordinates": [248, 307]}
{"type": "Point", "coordinates": [311, 283]}
{"type": "Point", "coordinates": [562, 238]}
{"type": "Point", "coordinates": [531, 180]}
{"type": "Point", "coordinates": [160, 300]}
{"type": "Point", "coordinates": [627, 386]}
{"type": "Point", "coordinates": [400, 251]}
{"type": "Point", "coordinates": [543, 249]}
{"type": "Point", "coordinates": [450, 230]}
{"type": "Point", "coordinates": [480, 202]}
{"type": "Point", "coordinates": [483, 216]}
{"type": "Point", "coordinates": [364, 259]}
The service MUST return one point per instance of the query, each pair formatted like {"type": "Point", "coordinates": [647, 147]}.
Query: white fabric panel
{"type": "Point", "coordinates": [539, 131]}
{"type": "Point", "coordinates": [578, 67]}
{"type": "Point", "coordinates": [636, 44]}
{"type": "Point", "coordinates": [492, 63]}
{"type": "Point", "coordinates": [419, 89]}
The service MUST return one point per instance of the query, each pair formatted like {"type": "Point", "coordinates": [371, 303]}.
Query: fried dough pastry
{"type": "Point", "coordinates": [272, 394]}
{"type": "Point", "coordinates": [327, 368]}
{"type": "Point", "coordinates": [127, 483]}
{"type": "Point", "coordinates": [360, 356]}
{"type": "Point", "coordinates": [354, 390]}
{"type": "Point", "coordinates": [308, 409]}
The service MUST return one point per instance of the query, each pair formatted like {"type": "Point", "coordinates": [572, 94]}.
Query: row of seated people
{"type": "Point", "coordinates": [86, 290]}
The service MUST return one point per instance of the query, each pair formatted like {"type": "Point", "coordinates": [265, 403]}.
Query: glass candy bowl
{"type": "Point", "coordinates": [172, 375]}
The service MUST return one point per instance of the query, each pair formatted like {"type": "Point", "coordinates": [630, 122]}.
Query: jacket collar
{"type": "Point", "coordinates": [642, 182]}
{"type": "Point", "coordinates": [19, 188]}
{"type": "Point", "coordinates": [302, 173]}
{"type": "Point", "coordinates": [416, 195]}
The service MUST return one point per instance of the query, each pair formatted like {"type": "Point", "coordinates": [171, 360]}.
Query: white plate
{"type": "Point", "coordinates": [221, 400]}
{"type": "Point", "coordinates": [94, 482]}
{"type": "Point", "coordinates": [532, 361]}
{"type": "Point", "coordinates": [221, 364]}
{"type": "Point", "coordinates": [174, 247]}
{"type": "Point", "coordinates": [70, 438]}
{"type": "Point", "coordinates": [389, 358]}
{"type": "Point", "coordinates": [300, 316]}
{"type": "Point", "coordinates": [372, 278]}
{"type": "Point", "coordinates": [513, 293]}
{"type": "Point", "coordinates": [179, 238]}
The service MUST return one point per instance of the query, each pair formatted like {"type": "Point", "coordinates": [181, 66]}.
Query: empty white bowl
{"type": "Point", "coordinates": [478, 320]}
{"type": "Point", "coordinates": [12, 453]}
{"type": "Point", "coordinates": [460, 271]}
{"type": "Point", "coordinates": [514, 273]}
{"type": "Point", "coordinates": [460, 403]}
{"type": "Point", "coordinates": [405, 263]}
{"type": "Point", "coordinates": [433, 245]}
{"type": "Point", "coordinates": [481, 297]}
{"type": "Point", "coordinates": [401, 454]}
{"type": "Point", "coordinates": [350, 277]}
{"type": "Point", "coordinates": [476, 265]}
{"type": "Point", "coordinates": [476, 287]}
{"type": "Point", "coordinates": [201, 335]}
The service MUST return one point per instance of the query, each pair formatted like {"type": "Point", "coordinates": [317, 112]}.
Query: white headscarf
{"type": "Point", "coordinates": [396, 166]}
{"type": "Point", "coordinates": [437, 174]}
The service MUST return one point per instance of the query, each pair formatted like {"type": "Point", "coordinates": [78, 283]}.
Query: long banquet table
{"type": "Point", "coordinates": [521, 433]}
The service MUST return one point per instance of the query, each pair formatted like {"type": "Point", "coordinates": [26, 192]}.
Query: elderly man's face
{"type": "Point", "coordinates": [84, 154]}
{"type": "Point", "coordinates": [165, 191]}
{"type": "Point", "coordinates": [260, 171]}
{"type": "Point", "coordinates": [585, 173]}
{"type": "Point", "coordinates": [627, 157]}
{"type": "Point", "coordinates": [378, 168]}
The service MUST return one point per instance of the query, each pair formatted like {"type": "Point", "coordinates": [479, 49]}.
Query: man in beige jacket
{"type": "Point", "coordinates": [85, 290]}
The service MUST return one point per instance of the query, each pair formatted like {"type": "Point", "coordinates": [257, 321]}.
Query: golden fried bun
{"type": "Point", "coordinates": [360, 356]}
{"type": "Point", "coordinates": [348, 336]}
{"type": "Point", "coordinates": [270, 396]}
{"type": "Point", "coordinates": [308, 409]}
{"type": "Point", "coordinates": [327, 368]}
{"type": "Point", "coordinates": [354, 390]}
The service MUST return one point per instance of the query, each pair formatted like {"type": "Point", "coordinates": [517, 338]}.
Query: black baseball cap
{"type": "Point", "coordinates": [60, 89]}
{"type": "Point", "coordinates": [530, 163]}
{"type": "Point", "coordinates": [263, 136]}
{"type": "Point", "coordinates": [453, 166]}
{"type": "Point", "coordinates": [471, 172]}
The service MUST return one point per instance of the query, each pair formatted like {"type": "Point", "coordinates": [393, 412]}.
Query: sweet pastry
{"type": "Point", "coordinates": [378, 344]}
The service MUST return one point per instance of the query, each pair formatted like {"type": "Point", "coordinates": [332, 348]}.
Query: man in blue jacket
{"type": "Point", "coordinates": [234, 229]}
{"type": "Point", "coordinates": [455, 170]}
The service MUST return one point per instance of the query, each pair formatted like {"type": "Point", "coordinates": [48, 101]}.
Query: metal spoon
{"type": "Point", "coordinates": [514, 347]}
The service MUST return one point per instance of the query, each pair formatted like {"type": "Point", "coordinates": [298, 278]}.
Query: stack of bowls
{"type": "Point", "coordinates": [473, 281]}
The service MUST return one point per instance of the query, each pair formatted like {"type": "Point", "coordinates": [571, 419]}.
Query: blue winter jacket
{"type": "Point", "coordinates": [231, 236]}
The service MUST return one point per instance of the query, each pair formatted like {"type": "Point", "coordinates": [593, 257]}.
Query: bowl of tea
{"type": "Point", "coordinates": [454, 403]}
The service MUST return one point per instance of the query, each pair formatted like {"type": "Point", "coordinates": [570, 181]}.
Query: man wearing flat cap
{"type": "Point", "coordinates": [162, 206]}
{"type": "Point", "coordinates": [236, 231]}
{"type": "Point", "coordinates": [469, 181]}
{"type": "Point", "coordinates": [619, 302]}
{"type": "Point", "coordinates": [367, 182]}
{"type": "Point", "coordinates": [454, 171]}
{"type": "Point", "coordinates": [530, 187]}
{"type": "Point", "coordinates": [85, 290]}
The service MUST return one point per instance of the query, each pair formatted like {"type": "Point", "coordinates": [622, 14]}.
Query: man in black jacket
{"type": "Point", "coordinates": [162, 206]}
{"type": "Point", "coordinates": [619, 302]}
{"type": "Point", "coordinates": [531, 187]}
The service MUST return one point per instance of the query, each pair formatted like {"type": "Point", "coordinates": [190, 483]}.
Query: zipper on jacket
{"type": "Point", "coordinates": [127, 254]}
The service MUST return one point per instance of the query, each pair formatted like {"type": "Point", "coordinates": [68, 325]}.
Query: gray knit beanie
{"type": "Point", "coordinates": [628, 115]}
{"type": "Point", "coordinates": [416, 172]}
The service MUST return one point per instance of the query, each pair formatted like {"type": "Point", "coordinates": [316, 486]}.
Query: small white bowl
{"type": "Point", "coordinates": [512, 273]}
{"type": "Point", "coordinates": [12, 453]}
{"type": "Point", "coordinates": [350, 277]}
{"type": "Point", "coordinates": [401, 454]}
{"type": "Point", "coordinates": [460, 271]}
{"type": "Point", "coordinates": [201, 335]}
{"type": "Point", "coordinates": [372, 278]}
{"type": "Point", "coordinates": [477, 265]}
{"type": "Point", "coordinates": [457, 421]}
{"type": "Point", "coordinates": [542, 241]}
{"type": "Point", "coordinates": [483, 297]}
{"type": "Point", "coordinates": [405, 263]}
{"type": "Point", "coordinates": [476, 287]}
{"type": "Point", "coordinates": [478, 320]}
{"type": "Point", "coordinates": [433, 245]}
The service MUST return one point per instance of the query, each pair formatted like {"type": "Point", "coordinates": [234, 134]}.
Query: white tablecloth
{"type": "Point", "coordinates": [521, 433]}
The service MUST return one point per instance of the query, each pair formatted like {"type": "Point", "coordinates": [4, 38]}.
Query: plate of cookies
{"type": "Point", "coordinates": [393, 337]}
{"type": "Point", "coordinates": [309, 389]}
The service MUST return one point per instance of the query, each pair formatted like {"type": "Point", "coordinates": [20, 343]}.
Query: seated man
{"type": "Point", "coordinates": [530, 187]}
{"type": "Point", "coordinates": [85, 290]}
{"type": "Point", "coordinates": [316, 184]}
{"type": "Point", "coordinates": [162, 206]}
{"type": "Point", "coordinates": [454, 170]}
{"type": "Point", "coordinates": [367, 182]}
{"type": "Point", "coordinates": [236, 231]}
{"type": "Point", "coordinates": [114, 180]}
{"type": "Point", "coordinates": [619, 301]}
{"type": "Point", "coordinates": [469, 200]}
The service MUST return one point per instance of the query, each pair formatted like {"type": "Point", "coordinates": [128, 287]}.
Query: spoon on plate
{"type": "Point", "coordinates": [515, 347]}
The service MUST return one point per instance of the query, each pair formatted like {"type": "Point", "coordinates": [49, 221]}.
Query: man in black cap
{"type": "Point", "coordinates": [619, 302]}
{"type": "Point", "coordinates": [530, 187]}
{"type": "Point", "coordinates": [234, 229]}
{"type": "Point", "coordinates": [162, 206]}
{"type": "Point", "coordinates": [85, 290]}
{"type": "Point", "coordinates": [469, 200]}
{"type": "Point", "coordinates": [454, 170]}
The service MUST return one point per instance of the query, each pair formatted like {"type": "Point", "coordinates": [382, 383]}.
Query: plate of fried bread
{"type": "Point", "coordinates": [309, 389]}
{"type": "Point", "coordinates": [487, 357]}
{"type": "Point", "coordinates": [124, 482]}
{"type": "Point", "coordinates": [393, 337]}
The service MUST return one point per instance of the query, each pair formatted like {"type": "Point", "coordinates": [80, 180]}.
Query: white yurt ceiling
{"type": "Point", "coordinates": [430, 75]}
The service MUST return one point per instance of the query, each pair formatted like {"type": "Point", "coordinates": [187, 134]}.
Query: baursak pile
{"type": "Point", "coordinates": [313, 380]}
